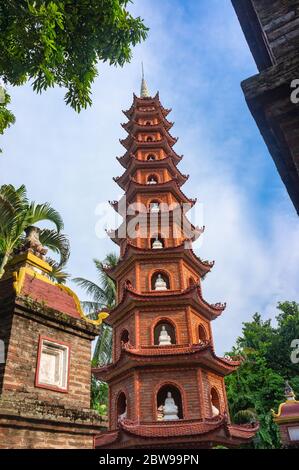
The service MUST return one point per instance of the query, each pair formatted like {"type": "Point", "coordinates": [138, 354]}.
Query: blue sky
{"type": "Point", "coordinates": [196, 56]}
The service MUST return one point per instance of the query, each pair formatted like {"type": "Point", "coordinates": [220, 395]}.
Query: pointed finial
{"type": "Point", "coordinates": [144, 93]}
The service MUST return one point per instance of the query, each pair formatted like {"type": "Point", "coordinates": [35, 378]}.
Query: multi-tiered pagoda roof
{"type": "Point", "coordinates": [163, 350]}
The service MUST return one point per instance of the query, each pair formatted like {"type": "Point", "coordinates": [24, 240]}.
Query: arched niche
{"type": "Point", "coordinates": [149, 139]}
{"type": "Point", "coordinates": [162, 395]}
{"type": "Point", "coordinates": [202, 334]}
{"type": "Point", "coordinates": [125, 337]}
{"type": "Point", "coordinates": [121, 406]}
{"type": "Point", "coordinates": [215, 402]}
{"type": "Point", "coordinates": [154, 206]}
{"type": "Point", "coordinates": [151, 157]}
{"type": "Point", "coordinates": [152, 179]}
{"type": "Point", "coordinates": [160, 281]}
{"type": "Point", "coordinates": [167, 326]}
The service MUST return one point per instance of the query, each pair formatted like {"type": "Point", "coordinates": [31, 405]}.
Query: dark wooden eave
{"type": "Point", "coordinates": [254, 33]}
{"type": "Point", "coordinates": [268, 98]}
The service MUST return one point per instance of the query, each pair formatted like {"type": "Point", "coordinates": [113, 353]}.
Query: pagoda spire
{"type": "Point", "coordinates": [144, 93]}
{"type": "Point", "coordinates": [164, 367]}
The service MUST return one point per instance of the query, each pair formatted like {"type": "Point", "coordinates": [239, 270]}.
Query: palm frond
{"type": "Point", "coordinates": [13, 195]}
{"type": "Point", "coordinates": [91, 308]}
{"type": "Point", "coordinates": [57, 242]}
{"type": "Point", "coordinates": [245, 416]}
{"type": "Point", "coordinates": [17, 214]}
{"type": "Point", "coordinates": [38, 212]}
{"type": "Point", "coordinates": [103, 349]}
{"type": "Point", "coordinates": [92, 289]}
{"type": "Point", "coordinates": [106, 282]}
{"type": "Point", "coordinates": [58, 274]}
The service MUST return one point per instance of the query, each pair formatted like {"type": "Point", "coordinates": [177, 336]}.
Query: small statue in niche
{"type": "Point", "coordinates": [160, 283]}
{"type": "Point", "coordinates": [155, 209]}
{"type": "Point", "coordinates": [157, 244]}
{"type": "Point", "coordinates": [164, 338]}
{"type": "Point", "coordinates": [170, 409]}
{"type": "Point", "coordinates": [215, 411]}
{"type": "Point", "coordinates": [123, 415]}
{"type": "Point", "coordinates": [152, 180]}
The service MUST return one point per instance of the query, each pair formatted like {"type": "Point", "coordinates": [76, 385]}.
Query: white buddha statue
{"type": "Point", "coordinates": [152, 181]}
{"type": "Point", "coordinates": [164, 338]}
{"type": "Point", "coordinates": [170, 409]}
{"type": "Point", "coordinates": [160, 284]}
{"type": "Point", "coordinates": [215, 411]}
{"type": "Point", "coordinates": [157, 245]}
{"type": "Point", "coordinates": [155, 209]}
{"type": "Point", "coordinates": [123, 416]}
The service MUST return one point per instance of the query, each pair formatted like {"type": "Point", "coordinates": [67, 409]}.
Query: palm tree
{"type": "Point", "coordinates": [103, 295]}
{"type": "Point", "coordinates": [18, 215]}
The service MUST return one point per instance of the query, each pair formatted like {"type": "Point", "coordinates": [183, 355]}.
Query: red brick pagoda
{"type": "Point", "coordinates": [166, 384]}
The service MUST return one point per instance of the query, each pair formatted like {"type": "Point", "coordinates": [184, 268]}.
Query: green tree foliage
{"type": "Point", "coordinates": [103, 295]}
{"type": "Point", "coordinates": [258, 385]}
{"type": "Point", "coordinates": [17, 213]}
{"type": "Point", "coordinates": [59, 42]}
{"type": "Point", "coordinates": [6, 116]}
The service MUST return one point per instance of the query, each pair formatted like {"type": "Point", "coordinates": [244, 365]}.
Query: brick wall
{"type": "Point", "coordinates": [14, 438]}
{"type": "Point", "coordinates": [142, 175]}
{"type": "Point", "coordinates": [127, 386]}
{"type": "Point", "coordinates": [21, 362]}
{"type": "Point", "coordinates": [143, 154]}
{"type": "Point", "coordinates": [280, 22]}
{"type": "Point", "coordinates": [186, 380]}
{"type": "Point", "coordinates": [149, 319]}
{"type": "Point", "coordinates": [197, 320]}
{"type": "Point", "coordinates": [189, 273]}
{"type": "Point", "coordinates": [5, 332]}
{"type": "Point", "coordinates": [127, 323]}
{"type": "Point", "coordinates": [127, 276]}
{"type": "Point", "coordinates": [147, 269]}
{"type": "Point", "coordinates": [218, 383]}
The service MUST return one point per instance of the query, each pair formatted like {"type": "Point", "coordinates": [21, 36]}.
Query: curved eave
{"type": "Point", "coordinates": [163, 434]}
{"type": "Point", "coordinates": [124, 180]}
{"type": "Point", "coordinates": [168, 186]}
{"type": "Point", "coordinates": [191, 233]}
{"type": "Point", "coordinates": [192, 295]}
{"type": "Point", "coordinates": [148, 146]}
{"type": "Point", "coordinates": [133, 125]}
{"type": "Point", "coordinates": [184, 428]}
{"type": "Point", "coordinates": [121, 208]}
{"type": "Point", "coordinates": [148, 101]}
{"type": "Point", "coordinates": [287, 412]}
{"type": "Point", "coordinates": [203, 267]}
{"type": "Point", "coordinates": [131, 138]}
{"type": "Point", "coordinates": [175, 355]}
